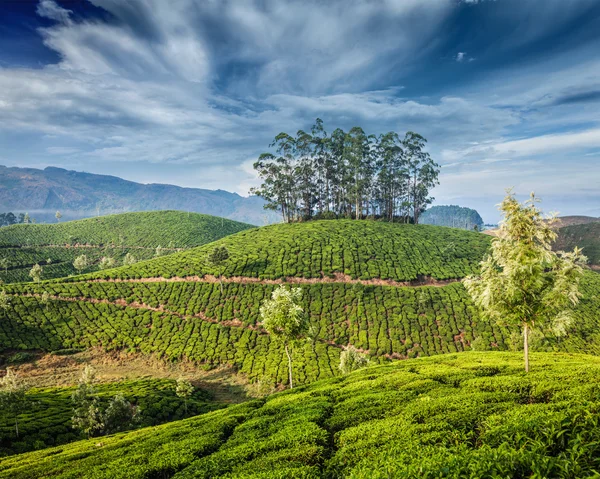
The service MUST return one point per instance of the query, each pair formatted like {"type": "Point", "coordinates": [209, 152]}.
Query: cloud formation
{"type": "Point", "coordinates": [199, 88]}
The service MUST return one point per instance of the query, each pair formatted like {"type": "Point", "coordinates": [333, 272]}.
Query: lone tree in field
{"type": "Point", "coordinates": [119, 415]}
{"type": "Point", "coordinates": [13, 396]}
{"type": "Point", "coordinates": [58, 216]}
{"type": "Point", "coordinates": [283, 318]}
{"type": "Point", "coordinates": [352, 359]}
{"type": "Point", "coordinates": [87, 416]}
{"type": "Point", "coordinates": [4, 302]}
{"type": "Point", "coordinates": [36, 273]}
{"type": "Point", "coordinates": [106, 263]}
{"type": "Point", "coordinates": [218, 258]}
{"type": "Point", "coordinates": [45, 299]}
{"type": "Point", "coordinates": [80, 263]}
{"type": "Point", "coordinates": [184, 390]}
{"type": "Point", "coordinates": [523, 282]}
{"type": "Point", "coordinates": [129, 259]}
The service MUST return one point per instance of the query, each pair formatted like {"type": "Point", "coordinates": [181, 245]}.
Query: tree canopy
{"type": "Point", "coordinates": [347, 174]}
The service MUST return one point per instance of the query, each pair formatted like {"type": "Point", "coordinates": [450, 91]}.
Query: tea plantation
{"type": "Point", "coordinates": [48, 421]}
{"type": "Point", "coordinates": [55, 246]}
{"type": "Point", "coordinates": [458, 415]}
{"type": "Point", "coordinates": [359, 249]}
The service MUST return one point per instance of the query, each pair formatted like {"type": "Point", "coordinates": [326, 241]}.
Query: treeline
{"type": "Point", "coordinates": [7, 219]}
{"type": "Point", "coordinates": [350, 174]}
{"type": "Point", "coordinates": [453, 216]}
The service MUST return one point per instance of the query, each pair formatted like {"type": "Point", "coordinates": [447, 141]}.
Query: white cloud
{"type": "Point", "coordinates": [51, 10]}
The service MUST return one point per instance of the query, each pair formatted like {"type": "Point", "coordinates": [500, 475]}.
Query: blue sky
{"type": "Point", "coordinates": [189, 92]}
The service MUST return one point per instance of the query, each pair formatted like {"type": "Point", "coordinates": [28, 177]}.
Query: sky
{"type": "Point", "coordinates": [190, 92]}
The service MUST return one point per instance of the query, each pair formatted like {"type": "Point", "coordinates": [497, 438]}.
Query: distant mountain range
{"type": "Point", "coordinates": [79, 195]}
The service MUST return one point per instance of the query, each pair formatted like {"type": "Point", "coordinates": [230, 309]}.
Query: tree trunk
{"type": "Point", "coordinates": [17, 425]}
{"type": "Point", "coordinates": [526, 345]}
{"type": "Point", "coordinates": [289, 366]}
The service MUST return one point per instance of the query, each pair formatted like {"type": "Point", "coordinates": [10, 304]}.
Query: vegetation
{"type": "Point", "coordinates": [13, 399]}
{"type": "Point", "coordinates": [105, 241]}
{"type": "Point", "coordinates": [359, 249]}
{"type": "Point", "coordinates": [452, 216]}
{"type": "Point", "coordinates": [523, 282]}
{"type": "Point", "coordinates": [352, 359]}
{"type": "Point", "coordinates": [468, 415]}
{"type": "Point", "coordinates": [347, 175]}
{"type": "Point", "coordinates": [585, 236]}
{"type": "Point", "coordinates": [47, 418]}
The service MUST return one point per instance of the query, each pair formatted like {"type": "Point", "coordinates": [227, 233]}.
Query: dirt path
{"type": "Point", "coordinates": [337, 278]}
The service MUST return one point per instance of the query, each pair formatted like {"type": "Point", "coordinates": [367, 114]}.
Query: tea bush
{"type": "Point", "coordinates": [452, 416]}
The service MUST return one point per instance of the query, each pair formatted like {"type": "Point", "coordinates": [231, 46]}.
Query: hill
{"type": "Point", "coordinates": [467, 415]}
{"type": "Point", "coordinates": [362, 285]}
{"type": "Point", "coordinates": [79, 195]}
{"type": "Point", "coordinates": [586, 236]}
{"type": "Point", "coordinates": [576, 220]}
{"type": "Point", "coordinates": [55, 246]}
{"type": "Point", "coordinates": [452, 216]}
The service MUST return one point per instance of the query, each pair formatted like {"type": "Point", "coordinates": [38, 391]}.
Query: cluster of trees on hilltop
{"type": "Point", "coordinates": [347, 175]}
{"type": "Point", "coordinates": [453, 216]}
{"type": "Point", "coordinates": [7, 219]}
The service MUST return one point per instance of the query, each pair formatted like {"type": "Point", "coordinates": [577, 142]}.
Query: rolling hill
{"type": "Point", "coordinates": [390, 290]}
{"type": "Point", "coordinates": [468, 415]}
{"type": "Point", "coordinates": [586, 236]}
{"type": "Point", "coordinates": [80, 195]}
{"type": "Point", "coordinates": [55, 246]}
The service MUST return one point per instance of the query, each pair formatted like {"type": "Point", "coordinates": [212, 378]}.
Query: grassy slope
{"type": "Point", "coordinates": [361, 249]}
{"type": "Point", "coordinates": [467, 415]}
{"type": "Point", "coordinates": [48, 422]}
{"type": "Point", "coordinates": [586, 236]}
{"type": "Point", "coordinates": [113, 235]}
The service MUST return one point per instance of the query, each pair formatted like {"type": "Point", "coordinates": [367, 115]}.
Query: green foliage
{"type": "Point", "coordinates": [123, 237]}
{"type": "Point", "coordinates": [452, 216]}
{"type": "Point", "coordinates": [352, 359]}
{"type": "Point", "coordinates": [36, 273]}
{"type": "Point", "coordinates": [46, 422]}
{"type": "Point", "coordinates": [453, 416]}
{"type": "Point", "coordinates": [523, 282]}
{"type": "Point", "coordinates": [184, 390]}
{"type": "Point", "coordinates": [120, 415]}
{"type": "Point", "coordinates": [360, 249]}
{"type": "Point", "coordinates": [13, 399]}
{"type": "Point", "coordinates": [87, 416]}
{"type": "Point", "coordinates": [106, 262]}
{"type": "Point", "coordinates": [80, 263]}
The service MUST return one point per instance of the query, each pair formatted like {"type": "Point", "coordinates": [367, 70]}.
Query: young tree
{"type": "Point", "coordinates": [159, 251]}
{"type": "Point", "coordinates": [58, 216]}
{"type": "Point", "coordinates": [80, 263]}
{"type": "Point", "coordinates": [218, 258]}
{"type": "Point", "coordinates": [119, 415]}
{"type": "Point", "coordinates": [26, 218]}
{"type": "Point", "coordinates": [129, 259]}
{"type": "Point", "coordinates": [523, 282]}
{"type": "Point", "coordinates": [4, 302]}
{"type": "Point", "coordinates": [283, 318]}
{"type": "Point", "coordinates": [5, 264]}
{"type": "Point", "coordinates": [13, 396]}
{"type": "Point", "coordinates": [36, 273]}
{"type": "Point", "coordinates": [184, 390]}
{"type": "Point", "coordinates": [106, 262]}
{"type": "Point", "coordinates": [87, 416]}
{"type": "Point", "coordinates": [352, 359]}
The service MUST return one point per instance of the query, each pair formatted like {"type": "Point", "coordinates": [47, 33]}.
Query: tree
{"type": "Point", "coordinates": [4, 302]}
{"type": "Point", "coordinates": [36, 273]}
{"type": "Point", "coordinates": [129, 259]}
{"type": "Point", "coordinates": [13, 396]}
{"type": "Point", "coordinates": [106, 262]}
{"type": "Point", "coordinates": [159, 251]}
{"type": "Point", "coordinates": [119, 415]}
{"type": "Point", "coordinates": [184, 390]}
{"type": "Point", "coordinates": [352, 359]}
{"type": "Point", "coordinates": [58, 216]}
{"type": "Point", "coordinates": [218, 258]}
{"type": "Point", "coordinates": [45, 299]}
{"type": "Point", "coordinates": [5, 264]}
{"type": "Point", "coordinates": [283, 318]}
{"type": "Point", "coordinates": [80, 263]}
{"type": "Point", "coordinates": [26, 218]}
{"type": "Point", "coordinates": [522, 281]}
{"type": "Point", "coordinates": [87, 416]}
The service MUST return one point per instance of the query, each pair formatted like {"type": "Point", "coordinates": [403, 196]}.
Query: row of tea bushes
{"type": "Point", "coordinates": [48, 419]}
{"type": "Point", "coordinates": [360, 249]}
{"type": "Point", "coordinates": [453, 416]}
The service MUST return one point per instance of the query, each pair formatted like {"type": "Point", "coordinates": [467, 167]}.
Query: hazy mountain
{"type": "Point", "coordinates": [79, 195]}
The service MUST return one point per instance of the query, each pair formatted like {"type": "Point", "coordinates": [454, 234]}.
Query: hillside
{"type": "Point", "coordinates": [468, 415]}
{"type": "Point", "coordinates": [452, 216]}
{"type": "Point", "coordinates": [55, 246]}
{"type": "Point", "coordinates": [576, 220]}
{"type": "Point", "coordinates": [361, 285]}
{"type": "Point", "coordinates": [79, 195]}
{"type": "Point", "coordinates": [586, 236]}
